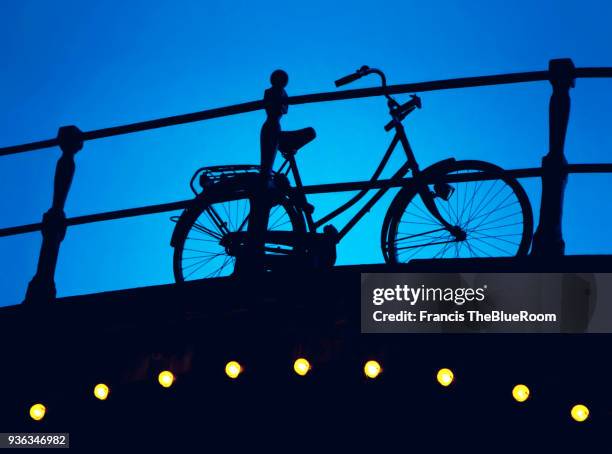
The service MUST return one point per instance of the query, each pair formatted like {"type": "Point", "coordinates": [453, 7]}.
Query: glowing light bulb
{"type": "Point", "coordinates": [301, 366]}
{"type": "Point", "coordinates": [520, 393]}
{"type": "Point", "coordinates": [372, 369]}
{"type": "Point", "coordinates": [37, 412]}
{"type": "Point", "coordinates": [165, 378]}
{"type": "Point", "coordinates": [445, 377]}
{"type": "Point", "coordinates": [580, 412]}
{"type": "Point", "coordinates": [233, 369]}
{"type": "Point", "coordinates": [101, 391]}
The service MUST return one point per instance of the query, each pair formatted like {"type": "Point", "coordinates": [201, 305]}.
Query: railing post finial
{"type": "Point", "coordinates": [41, 289]}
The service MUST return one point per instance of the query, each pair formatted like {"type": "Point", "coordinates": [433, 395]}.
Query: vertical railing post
{"type": "Point", "coordinates": [548, 239]}
{"type": "Point", "coordinates": [41, 290]}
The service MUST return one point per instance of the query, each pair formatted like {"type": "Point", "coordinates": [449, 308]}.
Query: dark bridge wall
{"type": "Point", "coordinates": [125, 338]}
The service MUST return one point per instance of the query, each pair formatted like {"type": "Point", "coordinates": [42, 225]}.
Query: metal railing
{"type": "Point", "coordinates": [548, 240]}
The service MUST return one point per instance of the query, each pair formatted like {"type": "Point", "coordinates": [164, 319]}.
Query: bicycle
{"type": "Point", "coordinates": [485, 213]}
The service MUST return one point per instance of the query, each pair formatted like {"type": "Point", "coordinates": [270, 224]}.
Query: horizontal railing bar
{"type": "Point", "coordinates": [18, 230]}
{"type": "Point", "coordinates": [465, 82]}
{"type": "Point", "coordinates": [589, 168]}
{"type": "Point", "coordinates": [130, 212]}
{"type": "Point", "coordinates": [472, 176]}
{"type": "Point", "coordinates": [28, 147]}
{"type": "Point", "coordinates": [312, 189]}
{"type": "Point", "coordinates": [593, 72]}
{"type": "Point", "coordinates": [106, 216]}
{"type": "Point", "coordinates": [447, 84]}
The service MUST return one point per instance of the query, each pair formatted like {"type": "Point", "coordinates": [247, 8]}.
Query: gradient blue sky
{"type": "Point", "coordinates": [98, 64]}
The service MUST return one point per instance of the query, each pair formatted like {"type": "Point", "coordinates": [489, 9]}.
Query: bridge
{"type": "Point", "coordinates": [59, 347]}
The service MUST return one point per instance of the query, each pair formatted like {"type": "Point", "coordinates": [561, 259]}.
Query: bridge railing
{"type": "Point", "coordinates": [548, 240]}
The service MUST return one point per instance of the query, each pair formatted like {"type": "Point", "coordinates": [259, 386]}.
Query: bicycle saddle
{"type": "Point", "coordinates": [290, 142]}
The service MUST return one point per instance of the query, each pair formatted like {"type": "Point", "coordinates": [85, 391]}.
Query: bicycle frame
{"type": "Point", "coordinates": [316, 249]}
{"type": "Point", "coordinates": [409, 165]}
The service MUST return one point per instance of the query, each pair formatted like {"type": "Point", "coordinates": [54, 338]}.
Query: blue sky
{"type": "Point", "coordinates": [98, 64]}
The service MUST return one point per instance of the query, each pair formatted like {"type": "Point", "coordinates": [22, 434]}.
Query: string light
{"type": "Point", "coordinates": [301, 366]}
{"type": "Point", "coordinates": [520, 393]}
{"type": "Point", "coordinates": [233, 369]}
{"type": "Point", "coordinates": [165, 378]}
{"type": "Point", "coordinates": [101, 391]}
{"type": "Point", "coordinates": [445, 377]}
{"type": "Point", "coordinates": [372, 369]}
{"type": "Point", "coordinates": [580, 412]}
{"type": "Point", "coordinates": [37, 412]}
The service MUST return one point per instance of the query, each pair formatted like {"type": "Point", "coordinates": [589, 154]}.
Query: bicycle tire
{"type": "Point", "coordinates": [511, 240]}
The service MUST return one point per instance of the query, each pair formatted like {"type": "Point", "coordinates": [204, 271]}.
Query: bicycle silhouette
{"type": "Point", "coordinates": [480, 218]}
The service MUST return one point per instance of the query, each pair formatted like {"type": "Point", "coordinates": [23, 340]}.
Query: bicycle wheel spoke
{"type": "Point", "coordinates": [500, 219]}
{"type": "Point", "coordinates": [428, 244]}
{"type": "Point", "coordinates": [414, 253]}
{"type": "Point", "coordinates": [494, 210]}
{"type": "Point", "coordinates": [420, 223]}
{"type": "Point", "coordinates": [476, 247]}
{"type": "Point", "coordinates": [477, 209]}
{"type": "Point", "coordinates": [202, 239]}
{"type": "Point", "coordinates": [446, 210]}
{"type": "Point", "coordinates": [498, 237]}
{"type": "Point", "coordinates": [498, 227]}
{"type": "Point", "coordinates": [492, 245]}
{"type": "Point", "coordinates": [484, 205]}
{"type": "Point", "coordinates": [419, 234]}
{"type": "Point", "coordinates": [497, 209]}
{"type": "Point", "coordinates": [471, 203]}
{"type": "Point", "coordinates": [207, 231]}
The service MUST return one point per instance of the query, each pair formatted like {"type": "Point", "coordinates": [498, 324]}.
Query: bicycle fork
{"type": "Point", "coordinates": [428, 199]}
{"type": "Point", "coordinates": [426, 195]}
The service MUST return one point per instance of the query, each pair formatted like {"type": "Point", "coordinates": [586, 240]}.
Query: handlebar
{"type": "Point", "coordinates": [397, 111]}
{"type": "Point", "coordinates": [363, 71]}
{"type": "Point", "coordinates": [347, 79]}
{"type": "Point", "coordinates": [401, 112]}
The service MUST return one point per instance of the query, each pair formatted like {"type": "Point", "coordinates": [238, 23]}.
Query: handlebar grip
{"type": "Point", "coordinates": [347, 79]}
{"type": "Point", "coordinates": [389, 126]}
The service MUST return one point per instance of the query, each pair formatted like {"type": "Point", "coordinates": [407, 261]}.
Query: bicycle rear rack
{"type": "Point", "coordinates": [215, 174]}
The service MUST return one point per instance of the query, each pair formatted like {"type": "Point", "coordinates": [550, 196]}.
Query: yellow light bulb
{"type": "Point", "coordinates": [445, 377]}
{"type": "Point", "coordinates": [520, 393]}
{"type": "Point", "coordinates": [372, 369]}
{"type": "Point", "coordinates": [580, 412]}
{"type": "Point", "coordinates": [37, 412]}
{"type": "Point", "coordinates": [165, 378]}
{"type": "Point", "coordinates": [301, 366]}
{"type": "Point", "coordinates": [101, 391]}
{"type": "Point", "coordinates": [233, 369]}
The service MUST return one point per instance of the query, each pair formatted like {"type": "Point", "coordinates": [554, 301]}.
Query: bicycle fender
{"type": "Point", "coordinates": [183, 223]}
{"type": "Point", "coordinates": [439, 166]}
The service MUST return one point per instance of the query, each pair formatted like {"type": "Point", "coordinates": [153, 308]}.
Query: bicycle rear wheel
{"type": "Point", "coordinates": [495, 215]}
{"type": "Point", "coordinates": [200, 243]}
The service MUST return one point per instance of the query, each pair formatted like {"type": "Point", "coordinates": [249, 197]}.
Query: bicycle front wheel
{"type": "Point", "coordinates": [495, 216]}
